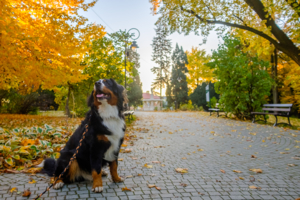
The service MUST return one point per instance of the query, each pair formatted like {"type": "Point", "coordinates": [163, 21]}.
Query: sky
{"type": "Point", "coordinates": [117, 15]}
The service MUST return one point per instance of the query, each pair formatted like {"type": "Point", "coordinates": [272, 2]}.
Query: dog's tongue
{"type": "Point", "coordinates": [100, 95]}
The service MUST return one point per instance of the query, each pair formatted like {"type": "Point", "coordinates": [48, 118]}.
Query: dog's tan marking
{"type": "Point", "coordinates": [113, 98]}
{"type": "Point", "coordinates": [97, 179]}
{"type": "Point", "coordinates": [102, 138]}
{"type": "Point", "coordinates": [113, 171]}
{"type": "Point", "coordinates": [96, 102]}
{"type": "Point", "coordinates": [74, 171]}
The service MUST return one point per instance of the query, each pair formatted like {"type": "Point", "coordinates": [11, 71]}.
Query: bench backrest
{"type": "Point", "coordinates": [278, 107]}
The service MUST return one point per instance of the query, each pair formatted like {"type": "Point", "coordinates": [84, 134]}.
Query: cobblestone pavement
{"type": "Point", "coordinates": [177, 139]}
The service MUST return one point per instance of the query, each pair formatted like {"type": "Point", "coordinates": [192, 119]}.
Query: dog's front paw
{"type": "Point", "coordinates": [97, 189]}
{"type": "Point", "coordinates": [118, 180]}
{"type": "Point", "coordinates": [58, 185]}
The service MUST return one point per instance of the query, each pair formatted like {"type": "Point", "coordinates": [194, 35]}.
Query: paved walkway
{"type": "Point", "coordinates": [202, 144]}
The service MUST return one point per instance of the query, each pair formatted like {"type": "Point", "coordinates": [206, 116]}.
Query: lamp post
{"type": "Point", "coordinates": [133, 46]}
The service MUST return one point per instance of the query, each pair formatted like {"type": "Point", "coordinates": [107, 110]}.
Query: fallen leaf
{"type": "Point", "coordinates": [126, 189]}
{"type": "Point", "coordinates": [158, 188]}
{"type": "Point", "coordinates": [12, 190]}
{"type": "Point", "coordinates": [163, 165]}
{"type": "Point", "coordinates": [155, 161]}
{"type": "Point", "coordinates": [253, 156]}
{"type": "Point", "coordinates": [120, 159]}
{"type": "Point", "coordinates": [170, 132]}
{"type": "Point", "coordinates": [151, 185]}
{"type": "Point", "coordinates": [222, 171]}
{"type": "Point", "coordinates": [32, 181]}
{"type": "Point", "coordinates": [292, 165]}
{"type": "Point", "coordinates": [181, 170]}
{"type": "Point", "coordinates": [252, 187]}
{"type": "Point", "coordinates": [140, 175]}
{"type": "Point", "coordinates": [200, 150]}
{"type": "Point", "coordinates": [237, 171]}
{"type": "Point", "coordinates": [284, 152]}
{"type": "Point", "coordinates": [184, 158]}
{"type": "Point", "coordinates": [148, 166]}
{"type": "Point", "coordinates": [130, 176]}
{"type": "Point", "coordinates": [241, 178]}
{"type": "Point", "coordinates": [256, 170]}
{"type": "Point", "coordinates": [183, 184]}
{"type": "Point", "coordinates": [263, 140]}
{"type": "Point", "coordinates": [26, 193]}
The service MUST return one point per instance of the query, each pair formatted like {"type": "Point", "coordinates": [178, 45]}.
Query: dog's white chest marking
{"type": "Point", "coordinates": [115, 125]}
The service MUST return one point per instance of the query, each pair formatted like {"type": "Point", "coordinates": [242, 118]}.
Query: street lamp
{"type": "Point", "coordinates": [133, 46]}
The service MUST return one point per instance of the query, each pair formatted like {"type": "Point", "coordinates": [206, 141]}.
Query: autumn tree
{"type": "Point", "coordinates": [43, 43]}
{"type": "Point", "coordinates": [102, 61]}
{"type": "Point", "coordinates": [161, 56]}
{"type": "Point", "coordinates": [178, 85]}
{"type": "Point", "coordinates": [135, 92]}
{"type": "Point", "coordinates": [243, 81]}
{"type": "Point", "coordinates": [277, 22]}
{"type": "Point", "coordinates": [198, 71]}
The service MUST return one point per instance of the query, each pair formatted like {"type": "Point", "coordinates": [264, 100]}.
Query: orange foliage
{"type": "Point", "coordinates": [155, 4]}
{"type": "Point", "coordinates": [42, 42]}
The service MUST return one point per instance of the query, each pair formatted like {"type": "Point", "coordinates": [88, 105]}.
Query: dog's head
{"type": "Point", "coordinates": [108, 93]}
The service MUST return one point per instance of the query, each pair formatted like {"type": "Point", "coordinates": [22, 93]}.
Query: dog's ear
{"type": "Point", "coordinates": [90, 100]}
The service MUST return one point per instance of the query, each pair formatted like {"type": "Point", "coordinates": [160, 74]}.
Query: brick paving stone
{"type": "Point", "coordinates": [227, 148]}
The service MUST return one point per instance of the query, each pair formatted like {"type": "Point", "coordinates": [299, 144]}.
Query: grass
{"type": "Point", "coordinates": [130, 122]}
{"type": "Point", "coordinates": [270, 120]}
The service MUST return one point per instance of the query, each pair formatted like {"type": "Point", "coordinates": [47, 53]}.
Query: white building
{"type": "Point", "coordinates": [150, 101]}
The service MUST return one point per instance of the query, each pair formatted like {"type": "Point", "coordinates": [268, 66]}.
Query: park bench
{"type": "Point", "coordinates": [216, 109]}
{"type": "Point", "coordinates": [129, 114]}
{"type": "Point", "coordinates": [282, 110]}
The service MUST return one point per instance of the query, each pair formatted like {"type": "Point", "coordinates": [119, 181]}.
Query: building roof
{"type": "Point", "coordinates": [150, 96]}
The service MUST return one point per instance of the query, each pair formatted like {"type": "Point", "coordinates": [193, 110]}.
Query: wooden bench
{"type": "Point", "coordinates": [216, 109]}
{"type": "Point", "coordinates": [282, 110]}
{"type": "Point", "coordinates": [129, 114]}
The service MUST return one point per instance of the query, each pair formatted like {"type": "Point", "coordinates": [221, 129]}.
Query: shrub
{"type": "Point", "coordinates": [244, 82]}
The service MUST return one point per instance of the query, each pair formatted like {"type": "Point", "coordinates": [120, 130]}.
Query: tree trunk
{"type": "Point", "coordinates": [68, 113]}
{"type": "Point", "coordinates": [274, 74]}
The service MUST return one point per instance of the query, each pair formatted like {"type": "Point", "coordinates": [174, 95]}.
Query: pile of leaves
{"type": "Point", "coordinates": [21, 148]}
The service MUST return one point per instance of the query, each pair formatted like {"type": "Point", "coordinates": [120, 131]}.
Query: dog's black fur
{"type": "Point", "coordinates": [91, 153]}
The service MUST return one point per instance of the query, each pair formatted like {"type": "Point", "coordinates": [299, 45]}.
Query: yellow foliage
{"type": "Point", "coordinates": [198, 71]}
{"type": "Point", "coordinates": [43, 42]}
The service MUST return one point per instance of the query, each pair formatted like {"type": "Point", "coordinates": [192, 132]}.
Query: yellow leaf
{"type": "Point", "coordinates": [32, 181]}
{"type": "Point", "coordinates": [200, 150]}
{"type": "Point", "coordinates": [263, 140]}
{"type": "Point", "coordinates": [12, 190]}
{"type": "Point", "coordinates": [241, 178]}
{"type": "Point", "coordinates": [120, 159]}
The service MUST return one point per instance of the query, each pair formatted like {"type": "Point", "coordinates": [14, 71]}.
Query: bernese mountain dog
{"type": "Point", "coordinates": [101, 146]}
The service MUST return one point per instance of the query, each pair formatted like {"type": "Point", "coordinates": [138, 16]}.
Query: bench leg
{"type": "Point", "coordinates": [265, 119]}
{"type": "Point", "coordinates": [209, 113]}
{"type": "Point", "coordinates": [289, 120]}
{"type": "Point", "coordinates": [276, 120]}
{"type": "Point", "coordinates": [218, 113]}
{"type": "Point", "coordinates": [253, 121]}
